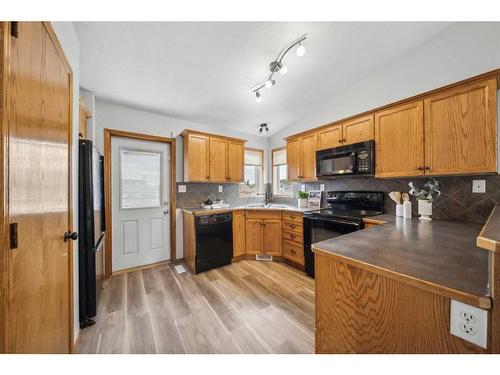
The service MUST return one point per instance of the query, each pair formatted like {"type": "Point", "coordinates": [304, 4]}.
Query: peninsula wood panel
{"type": "Point", "coordinates": [253, 229]}
{"type": "Point", "coordinates": [189, 241]}
{"type": "Point", "coordinates": [308, 146]}
{"type": "Point", "coordinates": [239, 233]}
{"type": "Point", "coordinates": [236, 157]}
{"type": "Point", "coordinates": [293, 159]}
{"type": "Point", "coordinates": [399, 141]}
{"type": "Point", "coordinates": [375, 314]}
{"type": "Point", "coordinates": [271, 239]}
{"type": "Point", "coordinates": [330, 137]}
{"type": "Point", "coordinates": [460, 130]}
{"type": "Point", "coordinates": [197, 158]}
{"type": "Point", "coordinates": [358, 130]}
{"type": "Point", "coordinates": [218, 160]}
{"type": "Point", "coordinates": [39, 192]}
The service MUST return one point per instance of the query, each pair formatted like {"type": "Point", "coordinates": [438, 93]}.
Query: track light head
{"type": "Point", "coordinates": [301, 50]}
{"type": "Point", "coordinates": [269, 83]}
{"type": "Point", "coordinates": [258, 97]}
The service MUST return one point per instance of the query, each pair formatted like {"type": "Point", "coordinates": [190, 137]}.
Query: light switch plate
{"type": "Point", "coordinates": [469, 323]}
{"type": "Point", "coordinates": [322, 187]}
{"type": "Point", "coordinates": [479, 186]}
{"type": "Point", "coordinates": [220, 188]}
{"type": "Point", "coordinates": [182, 188]}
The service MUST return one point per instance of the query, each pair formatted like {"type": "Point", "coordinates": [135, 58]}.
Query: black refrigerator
{"type": "Point", "coordinates": [91, 226]}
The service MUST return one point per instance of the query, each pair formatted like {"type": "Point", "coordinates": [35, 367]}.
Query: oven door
{"type": "Point", "coordinates": [335, 164]}
{"type": "Point", "coordinates": [318, 229]}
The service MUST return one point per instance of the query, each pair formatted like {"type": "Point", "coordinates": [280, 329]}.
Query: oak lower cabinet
{"type": "Point", "coordinates": [211, 158]}
{"type": "Point", "coordinates": [460, 129]}
{"type": "Point", "coordinates": [301, 157]}
{"type": "Point", "coordinates": [271, 237]}
{"type": "Point", "coordinates": [399, 141]}
{"type": "Point", "coordinates": [239, 233]}
{"type": "Point", "coordinates": [293, 237]}
{"type": "Point", "coordinates": [263, 232]}
{"type": "Point", "coordinates": [253, 236]}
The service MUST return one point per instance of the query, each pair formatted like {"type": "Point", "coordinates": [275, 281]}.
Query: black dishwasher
{"type": "Point", "coordinates": [214, 241]}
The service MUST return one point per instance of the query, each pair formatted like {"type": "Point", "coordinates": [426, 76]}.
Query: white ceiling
{"type": "Point", "coordinates": [203, 71]}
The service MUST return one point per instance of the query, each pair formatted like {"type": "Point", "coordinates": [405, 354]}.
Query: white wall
{"type": "Point", "coordinates": [113, 116]}
{"type": "Point", "coordinates": [459, 52]}
{"type": "Point", "coordinates": [69, 42]}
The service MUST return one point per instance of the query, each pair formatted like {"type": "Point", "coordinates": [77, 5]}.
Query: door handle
{"type": "Point", "coordinates": [70, 236]}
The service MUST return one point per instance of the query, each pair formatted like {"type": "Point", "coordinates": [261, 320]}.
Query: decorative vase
{"type": "Point", "coordinates": [424, 209]}
{"type": "Point", "coordinates": [302, 202]}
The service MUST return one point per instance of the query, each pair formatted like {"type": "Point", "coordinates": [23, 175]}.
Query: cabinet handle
{"type": "Point", "coordinates": [207, 177]}
{"type": "Point", "coordinates": [292, 226]}
{"type": "Point", "coordinates": [343, 140]}
{"type": "Point", "coordinates": [427, 168]}
{"type": "Point", "coordinates": [340, 140]}
{"type": "Point", "coordinates": [292, 235]}
{"type": "Point", "coordinates": [293, 251]}
{"type": "Point", "coordinates": [420, 168]}
{"type": "Point", "coordinates": [292, 217]}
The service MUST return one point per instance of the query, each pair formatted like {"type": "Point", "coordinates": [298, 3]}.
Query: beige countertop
{"type": "Point", "coordinates": [439, 255]}
{"type": "Point", "coordinates": [197, 211]}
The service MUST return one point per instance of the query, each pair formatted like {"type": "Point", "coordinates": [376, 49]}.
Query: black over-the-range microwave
{"type": "Point", "coordinates": [357, 159]}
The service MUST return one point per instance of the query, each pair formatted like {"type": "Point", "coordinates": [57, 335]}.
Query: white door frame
{"type": "Point", "coordinates": [108, 134]}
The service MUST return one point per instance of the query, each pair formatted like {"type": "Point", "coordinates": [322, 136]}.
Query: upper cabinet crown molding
{"type": "Point", "coordinates": [212, 158]}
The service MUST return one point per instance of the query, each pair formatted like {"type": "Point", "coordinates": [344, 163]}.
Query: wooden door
{"type": "Point", "coordinates": [293, 159]}
{"type": "Point", "coordinates": [238, 233]}
{"type": "Point", "coordinates": [358, 130]}
{"type": "Point", "coordinates": [399, 141]}
{"type": "Point", "coordinates": [330, 137]}
{"type": "Point", "coordinates": [460, 130]}
{"type": "Point", "coordinates": [39, 124]}
{"type": "Point", "coordinates": [196, 158]}
{"type": "Point", "coordinates": [272, 237]}
{"type": "Point", "coordinates": [236, 155]}
{"type": "Point", "coordinates": [218, 160]}
{"type": "Point", "coordinates": [308, 157]}
{"type": "Point", "coordinates": [253, 236]}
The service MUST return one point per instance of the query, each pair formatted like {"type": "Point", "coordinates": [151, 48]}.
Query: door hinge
{"type": "Point", "coordinates": [14, 29]}
{"type": "Point", "coordinates": [13, 235]}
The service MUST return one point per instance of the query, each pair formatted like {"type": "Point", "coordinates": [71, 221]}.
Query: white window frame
{"type": "Point", "coordinates": [275, 189]}
{"type": "Point", "coordinates": [261, 187]}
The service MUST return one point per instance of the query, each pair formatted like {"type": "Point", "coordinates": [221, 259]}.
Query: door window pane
{"type": "Point", "coordinates": [140, 179]}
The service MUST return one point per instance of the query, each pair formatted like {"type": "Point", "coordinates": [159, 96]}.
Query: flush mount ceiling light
{"type": "Point", "coordinates": [278, 66]}
{"type": "Point", "coordinates": [264, 130]}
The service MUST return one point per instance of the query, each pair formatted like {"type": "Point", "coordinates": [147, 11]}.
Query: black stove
{"type": "Point", "coordinates": [344, 214]}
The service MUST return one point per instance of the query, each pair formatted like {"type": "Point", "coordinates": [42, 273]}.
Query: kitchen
{"type": "Point", "coordinates": [273, 206]}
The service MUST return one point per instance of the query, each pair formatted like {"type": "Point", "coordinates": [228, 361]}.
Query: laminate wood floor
{"type": "Point", "coordinates": [245, 307]}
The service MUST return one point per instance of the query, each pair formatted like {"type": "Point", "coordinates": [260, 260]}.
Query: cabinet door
{"type": "Point", "coordinates": [196, 158]}
{"type": "Point", "coordinates": [293, 159]}
{"type": "Point", "coordinates": [460, 130]}
{"type": "Point", "coordinates": [218, 160]}
{"type": "Point", "coordinates": [272, 237]}
{"type": "Point", "coordinates": [308, 157]}
{"type": "Point", "coordinates": [358, 130]}
{"type": "Point", "coordinates": [238, 233]}
{"type": "Point", "coordinates": [254, 228]}
{"type": "Point", "coordinates": [236, 155]}
{"type": "Point", "coordinates": [399, 141]}
{"type": "Point", "coordinates": [330, 137]}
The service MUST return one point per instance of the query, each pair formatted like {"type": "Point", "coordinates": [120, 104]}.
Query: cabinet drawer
{"type": "Point", "coordinates": [293, 237]}
{"type": "Point", "coordinates": [293, 251]}
{"type": "Point", "coordinates": [293, 216]}
{"type": "Point", "coordinates": [261, 214]}
{"type": "Point", "coordinates": [293, 227]}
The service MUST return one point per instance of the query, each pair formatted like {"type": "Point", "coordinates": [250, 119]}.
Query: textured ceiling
{"type": "Point", "coordinates": [203, 71]}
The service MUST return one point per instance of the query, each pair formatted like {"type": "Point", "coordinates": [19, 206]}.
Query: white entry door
{"type": "Point", "coordinates": [140, 202]}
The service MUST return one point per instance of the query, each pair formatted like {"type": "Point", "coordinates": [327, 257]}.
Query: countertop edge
{"type": "Point", "coordinates": [483, 240]}
{"type": "Point", "coordinates": [482, 302]}
{"type": "Point", "coordinates": [201, 211]}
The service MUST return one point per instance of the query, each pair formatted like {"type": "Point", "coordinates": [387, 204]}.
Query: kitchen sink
{"type": "Point", "coordinates": [262, 205]}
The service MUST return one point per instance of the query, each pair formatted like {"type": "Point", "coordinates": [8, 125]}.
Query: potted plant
{"type": "Point", "coordinates": [425, 197]}
{"type": "Point", "coordinates": [302, 198]}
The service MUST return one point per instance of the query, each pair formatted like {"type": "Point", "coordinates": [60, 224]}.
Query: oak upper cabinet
{"type": "Point", "coordinates": [211, 158]}
{"type": "Point", "coordinates": [460, 129]}
{"type": "Point", "coordinates": [239, 233]}
{"type": "Point", "coordinates": [359, 129]}
{"type": "Point", "coordinates": [218, 160]}
{"type": "Point", "coordinates": [399, 141]}
{"type": "Point", "coordinates": [196, 157]}
{"type": "Point", "coordinates": [271, 241]}
{"type": "Point", "coordinates": [236, 157]}
{"type": "Point", "coordinates": [254, 229]}
{"type": "Point", "coordinates": [330, 137]}
{"type": "Point", "coordinates": [293, 159]}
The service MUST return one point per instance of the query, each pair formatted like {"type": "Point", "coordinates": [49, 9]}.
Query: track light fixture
{"type": "Point", "coordinates": [277, 66]}
{"type": "Point", "coordinates": [263, 130]}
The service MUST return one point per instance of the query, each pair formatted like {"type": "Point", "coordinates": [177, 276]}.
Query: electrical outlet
{"type": "Point", "coordinates": [220, 188]}
{"type": "Point", "coordinates": [469, 323]}
{"type": "Point", "coordinates": [322, 187]}
{"type": "Point", "coordinates": [479, 186]}
{"type": "Point", "coordinates": [303, 187]}
{"type": "Point", "coordinates": [182, 188]}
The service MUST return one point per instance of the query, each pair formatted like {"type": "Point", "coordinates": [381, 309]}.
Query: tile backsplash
{"type": "Point", "coordinates": [196, 193]}
{"type": "Point", "coordinates": [457, 202]}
